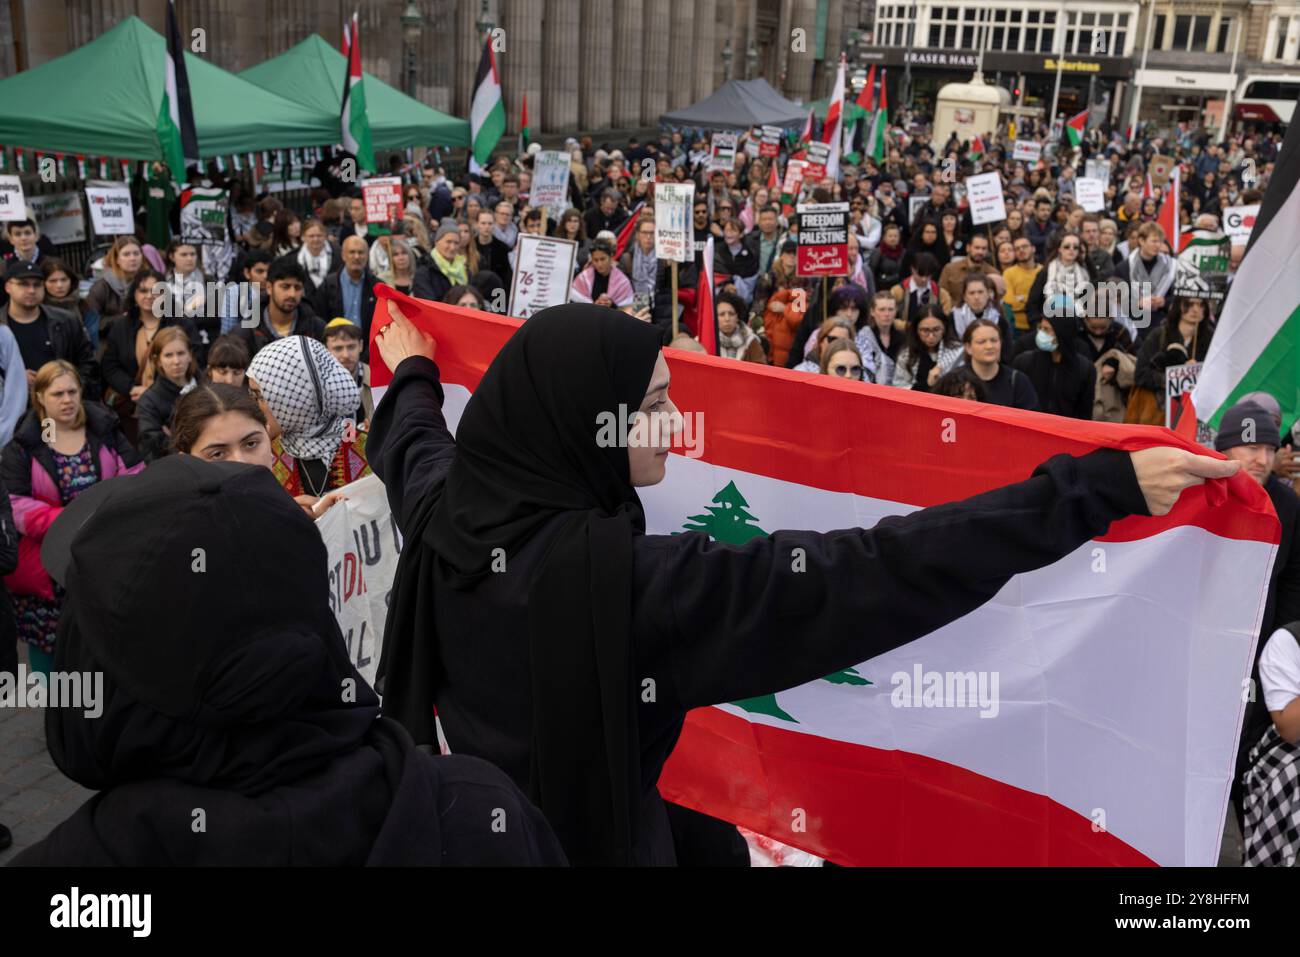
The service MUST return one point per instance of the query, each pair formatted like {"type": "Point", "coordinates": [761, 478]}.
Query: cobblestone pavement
{"type": "Point", "coordinates": [34, 794]}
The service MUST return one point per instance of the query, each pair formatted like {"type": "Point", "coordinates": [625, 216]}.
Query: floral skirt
{"type": "Point", "coordinates": [38, 619]}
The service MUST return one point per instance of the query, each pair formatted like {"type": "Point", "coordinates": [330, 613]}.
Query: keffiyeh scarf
{"type": "Point", "coordinates": [311, 395]}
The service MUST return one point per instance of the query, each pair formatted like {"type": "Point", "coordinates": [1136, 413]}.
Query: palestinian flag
{"type": "Point", "coordinates": [706, 320]}
{"type": "Point", "coordinates": [525, 134]}
{"type": "Point", "coordinates": [832, 131]}
{"type": "Point", "coordinates": [875, 147]}
{"type": "Point", "coordinates": [1256, 343]}
{"type": "Point", "coordinates": [1076, 127]}
{"type": "Point", "coordinates": [863, 107]}
{"type": "Point", "coordinates": [976, 151]}
{"type": "Point", "coordinates": [487, 114]}
{"type": "Point", "coordinates": [1113, 731]}
{"type": "Point", "coordinates": [353, 121]}
{"type": "Point", "coordinates": [176, 132]}
{"type": "Point", "coordinates": [629, 230]}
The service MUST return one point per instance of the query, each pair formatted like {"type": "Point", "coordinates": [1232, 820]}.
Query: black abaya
{"type": "Point", "coordinates": [706, 622]}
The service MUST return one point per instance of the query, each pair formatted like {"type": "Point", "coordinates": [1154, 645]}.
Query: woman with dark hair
{"type": "Point", "coordinates": [736, 340]}
{"type": "Point", "coordinates": [962, 383]}
{"type": "Point", "coordinates": [930, 349]}
{"type": "Point", "coordinates": [926, 239]}
{"type": "Point", "coordinates": [1065, 274]}
{"type": "Point", "coordinates": [953, 241]}
{"type": "Point", "coordinates": [62, 447]}
{"type": "Point", "coordinates": [62, 292]}
{"type": "Point", "coordinates": [127, 345]}
{"type": "Point", "coordinates": [286, 233]}
{"type": "Point", "coordinates": [1183, 337]}
{"type": "Point", "coordinates": [467, 297]}
{"type": "Point", "coordinates": [528, 524]}
{"type": "Point", "coordinates": [228, 361]}
{"type": "Point", "coordinates": [108, 297]}
{"type": "Point", "coordinates": [572, 227]}
{"type": "Point", "coordinates": [982, 342]}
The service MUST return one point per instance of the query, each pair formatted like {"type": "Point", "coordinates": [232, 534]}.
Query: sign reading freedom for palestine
{"type": "Point", "coordinates": [823, 240]}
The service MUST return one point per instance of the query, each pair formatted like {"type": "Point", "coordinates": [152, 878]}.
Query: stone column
{"type": "Point", "coordinates": [681, 37]}
{"type": "Point", "coordinates": [780, 52]}
{"type": "Point", "coordinates": [706, 48]}
{"type": "Point", "coordinates": [521, 63]}
{"type": "Point", "coordinates": [655, 80]}
{"type": "Point", "coordinates": [799, 74]}
{"type": "Point", "coordinates": [595, 65]}
{"type": "Point", "coordinates": [560, 65]}
{"type": "Point", "coordinates": [629, 62]}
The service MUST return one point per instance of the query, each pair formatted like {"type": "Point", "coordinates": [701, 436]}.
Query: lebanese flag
{"type": "Point", "coordinates": [1169, 216]}
{"type": "Point", "coordinates": [706, 322]}
{"type": "Point", "coordinates": [1119, 667]}
{"type": "Point", "coordinates": [832, 133]}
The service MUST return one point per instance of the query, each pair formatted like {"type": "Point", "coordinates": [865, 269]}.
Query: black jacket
{"type": "Point", "coordinates": [119, 365]}
{"type": "Point", "coordinates": [329, 303]}
{"type": "Point", "coordinates": [8, 562]}
{"type": "Point", "coordinates": [706, 618]}
{"type": "Point", "coordinates": [305, 323]}
{"type": "Point", "coordinates": [154, 410]}
{"type": "Point", "coordinates": [69, 342]}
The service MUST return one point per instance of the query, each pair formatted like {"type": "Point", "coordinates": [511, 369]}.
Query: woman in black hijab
{"type": "Point", "coordinates": [235, 731]}
{"type": "Point", "coordinates": [565, 645]}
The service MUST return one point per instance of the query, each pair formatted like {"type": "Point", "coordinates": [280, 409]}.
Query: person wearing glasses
{"type": "Point", "coordinates": [1064, 274]}
{"type": "Point", "coordinates": [1019, 278]}
{"type": "Point", "coordinates": [929, 351]}
{"type": "Point", "coordinates": [840, 357]}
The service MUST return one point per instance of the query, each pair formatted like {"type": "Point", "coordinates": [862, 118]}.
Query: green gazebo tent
{"type": "Point", "coordinates": [103, 99]}
{"type": "Point", "coordinates": [311, 73]}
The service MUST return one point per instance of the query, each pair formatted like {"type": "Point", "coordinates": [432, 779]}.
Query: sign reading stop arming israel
{"type": "Point", "coordinates": [823, 240]}
{"type": "Point", "coordinates": [674, 233]}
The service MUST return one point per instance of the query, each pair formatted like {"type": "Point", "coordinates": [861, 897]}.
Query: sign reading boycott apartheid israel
{"type": "Point", "coordinates": [550, 189]}
{"type": "Point", "coordinates": [674, 236]}
{"type": "Point", "coordinates": [362, 541]}
{"type": "Point", "coordinates": [823, 240]}
{"type": "Point", "coordinates": [1082, 685]}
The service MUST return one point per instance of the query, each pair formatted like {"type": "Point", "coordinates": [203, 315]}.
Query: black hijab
{"type": "Point", "coordinates": [527, 456]}
{"type": "Point", "coordinates": [217, 692]}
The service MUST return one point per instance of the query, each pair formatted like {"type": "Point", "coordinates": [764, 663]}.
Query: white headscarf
{"type": "Point", "coordinates": [310, 394]}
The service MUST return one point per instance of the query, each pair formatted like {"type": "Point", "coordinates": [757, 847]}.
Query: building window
{"type": "Point", "coordinates": [1201, 34]}
{"type": "Point", "coordinates": [1224, 44]}
{"type": "Point", "coordinates": [1161, 21]}
{"type": "Point", "coordinates": [1283, 27]}
{"type": "Point", "coordinates": [1182, 32]}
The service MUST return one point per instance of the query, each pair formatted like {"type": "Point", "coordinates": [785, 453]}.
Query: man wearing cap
{"type": "Point", "coordinates": [44, 333]}
{"type": "Point", "coordinates": [1248, 433]}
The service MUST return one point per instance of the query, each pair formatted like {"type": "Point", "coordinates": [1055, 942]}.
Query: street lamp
{"type": "Point", "coordinates": [485, 21]}
{"type": "Point", "coordinates": [412, 26]}
{"type": "Point", "coordinates": [751, 61]}
{"type": "Point", "coordinates": [726, 61]}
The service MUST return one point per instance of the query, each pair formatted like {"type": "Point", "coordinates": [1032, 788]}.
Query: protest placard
{"type": "Point", "coordinates": [543, 274]}
{"type": "Point", "coordinates": [1030, 151]}
{"type": "Point", "coordinates": [819, 154]}
{"type": "Point", "coordinates": [823, 240]}
{"type": "Point", "coordinates": [1090, 193]}
{"type": "Point", "coordinates": [12, 204]}
{"type": "Point", "coordinates": [674, 237]}
{"type": "Point", "coordinates": [550, 190]}
{"type": "Point", "coordinates": [383, 196]}
{"type": "Point", "coordinates": [771, 143]}
{"type": "Point", "coordinates": [59, 217]}
{"type": "Point", "coordinates": [723, 153]}
{"type": "Point", "coordinates": [110, 210]}
{"type": "Point", "coordinates": [1238, 221]}
{"type": "Point", "coordinates": [987, 204]}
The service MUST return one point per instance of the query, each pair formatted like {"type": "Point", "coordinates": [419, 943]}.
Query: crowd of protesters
{"type": "Point", "coordinates": [274, 370]}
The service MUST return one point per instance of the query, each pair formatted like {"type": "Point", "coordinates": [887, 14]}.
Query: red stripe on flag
{"type": "Point", "coordinates": [999, 445]}
{"type": "Point", "coordinates": [867, 806]}
{"type": "Point", "coordinates": [629, 230]}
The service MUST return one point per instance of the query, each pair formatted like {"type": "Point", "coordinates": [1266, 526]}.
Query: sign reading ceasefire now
{"type": "Point", "coordinates": [823, 240]}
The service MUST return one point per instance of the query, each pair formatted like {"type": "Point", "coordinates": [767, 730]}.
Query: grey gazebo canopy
{"type": "Point", "coordinates": [738, 105]}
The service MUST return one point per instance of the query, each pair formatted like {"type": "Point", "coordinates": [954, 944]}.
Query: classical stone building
{"type": "Point", "coordinates": [584, 64]}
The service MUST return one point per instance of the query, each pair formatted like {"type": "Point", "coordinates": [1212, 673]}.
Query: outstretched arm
{"type": "Point", "coordinates": [731, 622]}
{"type": "Point", "coordinates": [409, 446]}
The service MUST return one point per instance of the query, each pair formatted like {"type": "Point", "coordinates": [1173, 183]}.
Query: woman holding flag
{"type": "Point", "coordinates": [561, 642]}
